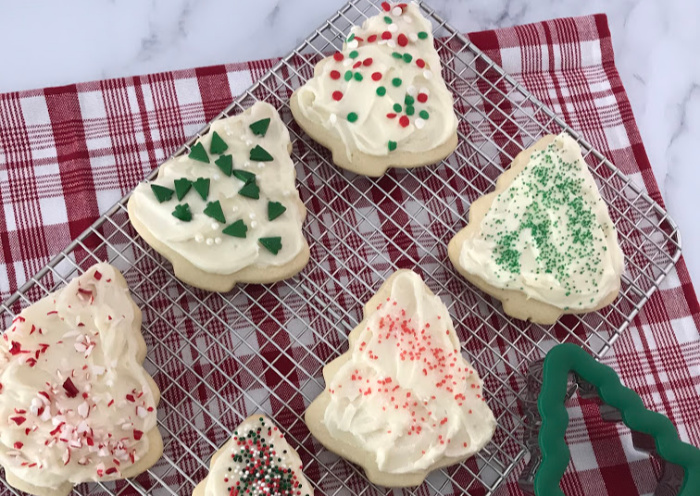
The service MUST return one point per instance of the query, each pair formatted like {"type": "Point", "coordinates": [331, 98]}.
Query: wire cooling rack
{"type": "Point", "coordinates": [220, 357]}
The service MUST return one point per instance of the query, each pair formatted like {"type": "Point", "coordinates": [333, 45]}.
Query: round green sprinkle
{"type": "Point", "coordinates": [353, 54]}
{"type": "Point", "coordinates": [396, 55]}
{"type": "Point", "coordinates": [424, 114]}
{"type": "Point", "coordinates": [407, 57]}
{"type": "Point", "coordinates": [409, 100]}
{"type": "Point", "coordinates": [396, 82]}
{"type": "Point", "coordinates": [397, 107]}
{"type": "Point", "coordinates": [381, 91]}
{"type": "Point", "coordinates": [358, 76]}
{"type": "Point", "coordinates": [388, 20]}
{"type": "Point", "coordinates": [392, 146]}
{"type": "Point", "coordinates": [422, 35]}
{"type": "Point", "coordinates": [410, 110]}
{"type": "Point", "coordinates": [352, 117]}
{"type": "Point", "coordinates": [348, 75]}
{"type": "Point", "coordinates": [351, 37]}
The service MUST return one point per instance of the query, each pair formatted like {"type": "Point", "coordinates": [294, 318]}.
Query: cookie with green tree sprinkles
{"type": "Point", "coordinates": [208, 218]}
{"type": "Point", "coordinates": [197, 152]}
{"type": "Point", "coordinates": [373, 92]}
{"type": "Point", "coordinates": [257, 460]}
{"type": "Point", "coordinates": [259, 128]}
{"type": "Point", "coordinates": [182, 186]}
{"type": "Point", "coordinates": [238, 229]}
{"type": "Point", "coordinates": [162, 193]}
{"type": "Point", "coordinates": [201, 186]}
{"type": "Point", "coordinates": [259, 154]}
{"type": "Point", "coordinates": [272, 244]}
{"type": "Point", "coordinates": [213, 210]}
{"type": "Point", "coordinates": [182, 212]}
{"type": "Point", "coordinates": [225, 164]}
{"type": "Point", "coordinates": [544, 242]}
{"type": "Point", "coordinates": [218, 145]}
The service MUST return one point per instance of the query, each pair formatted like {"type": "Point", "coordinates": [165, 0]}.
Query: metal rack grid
{"type": "Point", "coordinates": [219, 357]}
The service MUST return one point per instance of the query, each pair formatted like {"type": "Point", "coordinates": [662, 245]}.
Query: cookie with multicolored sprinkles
{"type": "Point", "coordinates": [381, 101]}
{"type": "Point", "coordinates": [402, 401]}
{"type": "Point", "coordinates": [257, 460]}
{"type": "Point", "coordinates": [228, 211]}
{"type": "Point", "coordinates": [543, 241]}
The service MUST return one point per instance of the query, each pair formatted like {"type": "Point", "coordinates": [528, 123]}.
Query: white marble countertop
{"type": "Point", "coordinates": [655, 42]}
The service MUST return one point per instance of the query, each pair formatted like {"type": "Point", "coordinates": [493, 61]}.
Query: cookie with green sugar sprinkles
{"type": "Point", "coordinates": [197, 152]}
{"type": "Point", "coordinates": [213, 210]}
{"type": "Point", "coordinates": [218, 145]}
{"type": "Point", "coordinates": [162, 193]}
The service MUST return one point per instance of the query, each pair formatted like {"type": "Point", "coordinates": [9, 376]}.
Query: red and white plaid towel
{"type": "Point", "coordinates": [67, 154]}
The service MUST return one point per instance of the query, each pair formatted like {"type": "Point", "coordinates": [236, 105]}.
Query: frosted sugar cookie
{"type": "Point", "coordinates": [402, 402]}
{"type": "Point", "coordinates": [76, 404]}
{"type": "Point", "coordinates": [381, 101]}
{"type": "Point", "coordinates": [229, 211]}
{"type": "Point", "coordinates": [543, 242]}
{"type": "Point", "coordinates": [256, 460]}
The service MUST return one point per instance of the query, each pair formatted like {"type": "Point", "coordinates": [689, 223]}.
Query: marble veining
{"type": "Point", "coordinates": [655, 42]}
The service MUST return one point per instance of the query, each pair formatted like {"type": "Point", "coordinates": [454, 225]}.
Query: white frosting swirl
{"type": "Point", "coordinates": [406, 394]}
{"type": "Point", "coordinates": [416, 65]}
{"type": "Point", "coordinates": [201, 240]}
{"type": "Point", "coordinates": [549, 234]}
{"type": "Point", "coordinates": [76, 404]}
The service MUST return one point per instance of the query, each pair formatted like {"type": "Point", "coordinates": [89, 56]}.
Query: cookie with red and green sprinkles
{"type": "Point", "coordinates": [228, 210]}
{"type": "Point", "coordinates": [381, 101]}
{"type": "Point", "coordinates": [257, 460]}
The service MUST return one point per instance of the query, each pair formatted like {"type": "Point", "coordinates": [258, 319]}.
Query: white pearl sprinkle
{"type": "Point", "coordinates": [198, 238]}
{"type": "Point", "coordinates": [217, 240]}
{"type": "Point", "coordinates": [216, 177]}
{"type": "Point", "coordinates": [251, 215]}
{"type": "Point", "coordinates": [407, 20]}
{"type": "Point", "coordinates": [261, 165]}
{"type": "Point", "coordinates": [253, 224]}
{"type": "Point", "coordinates": [397, 11]}
{"type": "Point", "coordinates": [215, 225]}
{"type": "Point", "coordinates": [234, 209]}
{"type": "Point", "coordinates": [420, 123]}
{"type": "Point", "coordinates": [391, 44]}
{"type": "Point", "coordinates": [246, 164]}
{"type": "Point", "coordinates": [248, 142]}
{"type": "Point", "coordinates": [411, 90]}
{"type": "Point", "coordinates": [210, 241]}
{"type": "Point", "coordinates": [353, 44]}
{"type": "Point", "coordinates": [427, 74]}
{"type": "Point", "coordinates": [413, 36]}
{"type": "Point", "coordinates": [333, 118]}
{"type": "Point", "coordinates": [393, 28]}
{"type": "Point", "coordinates": [243, 137]}
{"type": "Point", "coordinates": [286, 193]}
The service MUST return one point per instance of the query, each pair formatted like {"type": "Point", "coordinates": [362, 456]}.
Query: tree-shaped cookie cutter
{"type": "Point", "coordinates": [548, 389]}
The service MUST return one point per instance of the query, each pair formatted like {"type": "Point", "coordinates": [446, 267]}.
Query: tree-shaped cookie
{"type": "Point", "coordinates": [256, 460]}
{"type": "Point", "coordinates": [543, 242]}
{"type": "Point", "coordinates": [228, 211]}
{"type": "Point", "coordinates": [76, 404]}
{"type": "Point", "coordinates": [567, 358]}
{"type": "Point", "coordinates": [402, 401]}
{"type": "Point", "coordinates": [381, 101]}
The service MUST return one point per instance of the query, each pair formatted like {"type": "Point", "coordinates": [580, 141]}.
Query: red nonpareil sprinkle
{"type": "Point", "coordinates": [18, 445]}
{"type": "Point", "coordinates": [402, 40]}
{"type": "Point", "coordinates": [338, 56]}
{"type": "Point", "coordinates": [356, 65]}
{"type": "Point", "coordinates": [367, 62]}
{"type": "Point", "coordinates": [359, 39]}
{"type": "Point", "coordinates": [19, 420]}
{"type": "Point", "coordinates": [337, 95]}
{"type": "Point", "coordinates": [111, 470]}
{"type": "Point", "coordinates": [422, 97]}
{"type": "Point", "coordinates": [386, 35]}
{"type": "Point", "coordinates": [376, 76]}
{"type": "Point", "coordinates": [420, 63]}
{"type": "Point", "coordinates": [130, 397]}
{"type": "Point", "coordinates": [70, 389]}
{"type": "Point", "coordinates": [391, 116]}
{"type": "Point", "coordinates": [386, 6]}
{"type": "Point", "coordinates": [372, 38]}
{"type": "Point", "coordinates": [98, 275]}
{"type": "Point", "coordinates": [404, 121]}
{"type": "Point", "coordinates": [335, 75]}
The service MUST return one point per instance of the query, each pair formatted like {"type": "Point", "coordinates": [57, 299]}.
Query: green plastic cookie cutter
{"type": "Point", "coordinates": [546, 422]}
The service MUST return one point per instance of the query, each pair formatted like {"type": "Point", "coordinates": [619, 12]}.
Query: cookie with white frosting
{"type": "Point", "coordinates": [229, 211]}
{"type": "Point", "coordinates": [76, 404]}
{"type": "Point", "coordinates": [381, 101]}
{"type": "Point", "coordinates": [256, 460]}
{"type": "Point", "coordinates": [402, 401]}
{"type": "Point", "coordinates": [542, 242]}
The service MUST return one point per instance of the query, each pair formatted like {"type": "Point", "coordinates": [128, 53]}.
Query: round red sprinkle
{"type": "Point", "coordinates": [420, 63]}
{"type": "Point", "coordinates": [372, 38]}
{"type": "Point", "coordinates": [376, 76]}
{"type": "Point", "coordinates": [386, 6]}
{"type": "Point", "coordinates": [338, 56]}
{"type": "Point", "coordinates": [404, 121]}
{"type": "Point", "coordinates": [335, 75]}
{"type": "Point", "coordinates": [367, 62]}
{"type": "Point", "coordinates": [391, 115]}
{"type": "Point", "coordinates": [422, 97]}
{"type": "Point", "coordinates": [337, 95]}
{"type": "Point", "coordinates": [357, 64]}
{"type": "Point", "coordinates": [402, 40]}
{"type": "Point", "coordinates": [386, 35]}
